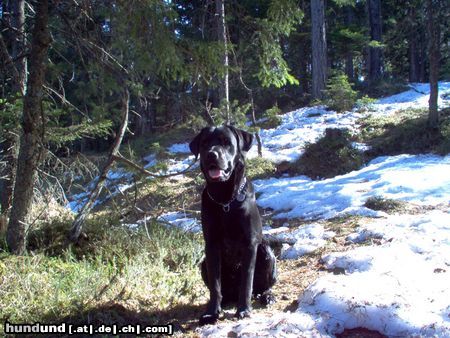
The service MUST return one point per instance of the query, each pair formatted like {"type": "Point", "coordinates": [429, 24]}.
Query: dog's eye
{"type": "Point", "coordinates": [225, 142]}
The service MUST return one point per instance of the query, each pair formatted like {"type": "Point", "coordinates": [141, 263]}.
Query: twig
{"type": "Point", "coordinates": [64, 100]}
{"type": "Point", "coordinates": [65, 200]}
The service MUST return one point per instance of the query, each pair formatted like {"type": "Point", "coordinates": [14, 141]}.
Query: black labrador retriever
{"type": "Point", "coordinates": [238, 262]}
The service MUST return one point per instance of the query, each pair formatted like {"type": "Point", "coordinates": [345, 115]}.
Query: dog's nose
{"type": "Point", "coordinates": [212, 156]}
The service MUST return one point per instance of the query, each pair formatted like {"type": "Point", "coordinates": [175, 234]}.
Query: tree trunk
{"type": "Point", "coordinates": [349, 68]}
{"type": "Point", "coordinates": [222, 38]}
{"type": "Point", "coordinates": [18, 47]}
{"type": "Point", "coordinates": [414, 64]}
{"type": "Point", "coordinates": [374, 15]}
{"type": "Point", "coordinates": [319, 48]}
{"type": "Point", "coordinates": [87, 207]}
{"type": "Point", "coordinates": [32, 131]}
{"type": "Point", "coordinates": [423, 57]}
{"type": "Point", "coordinates": [9, 146]}
{"type": "Point", "coordinates": [433, 52]}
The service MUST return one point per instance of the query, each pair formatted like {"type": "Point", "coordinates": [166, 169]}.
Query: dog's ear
{"type": "Point", "coordinates": [194, 146]}
{"type": "Point", "coordinates": [244, 139]}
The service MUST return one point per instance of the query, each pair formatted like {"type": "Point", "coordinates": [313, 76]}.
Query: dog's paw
{"type": "Point", "coordinates": [208, 318]}
{"type": "Point", "coordinates": [267, 298]}
{"type": "Point", "coordinates": [241, 314]}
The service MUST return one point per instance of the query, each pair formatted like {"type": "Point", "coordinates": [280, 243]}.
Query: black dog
{"type": "Point", "coordinates": [238, 263]}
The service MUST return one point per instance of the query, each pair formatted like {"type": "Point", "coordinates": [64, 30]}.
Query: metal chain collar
{"type": "Point", "coordinates": [240, 197]}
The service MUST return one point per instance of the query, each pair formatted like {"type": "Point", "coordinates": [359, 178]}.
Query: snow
{"type": "Point", "coordinates": [150, 161]}
{"type": "Point", "coordinates": [416, 97]}
{"type": "Point", "coordinates": [117, 181]}
{"type": "Point", "coordinates": [279, 325]}
{"type": "Point", "coordinates": [421, 179]}
{"type": "Point", "coordinates": [178, 148]}
{"type": "Point", "coordinates": [175, 166]}
{"type": "Point", "coordinates": [182, 221]}
{"type": "Point", "coordinates": [302, 126]}
{"type": "Point", "coordinates": [400, 288]}
{"type": "Point", "coordinates": [306, 125]}
{"type": "Point", "coordinates": [299, 242]}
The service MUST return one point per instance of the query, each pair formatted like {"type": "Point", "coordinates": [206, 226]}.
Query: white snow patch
{"type": "Point", "coordinates": [416, 97]}
{"type": "Point", "coordinates": [178, 148]}
{"type": "Point", "coordinates": [117, 181]}
{"type": "Point", "coordinates": [299, 127]}
{"type": "Point", "coordinates": [422, 179]}
{"type": "Point", "coordinates": [176, 166]}
{"type": "Point", "coordinates": [301, 241]}
{"type": "Point", "coordinates": [150, 161]}
{"type": "Point", "coordinates": [181, 220]}
{"type": "Point", "coordinates": [396, 288]}
{"type": "Point", "coordinates": [277, 325]}
{"type": "Point", "coordinates": [306, 125]}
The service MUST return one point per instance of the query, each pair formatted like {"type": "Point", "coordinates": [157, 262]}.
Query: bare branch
{"type": "Point", "coordinates": [86, 209]}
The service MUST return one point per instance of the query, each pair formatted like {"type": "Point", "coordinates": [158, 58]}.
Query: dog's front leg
{"type": "Point", "coordinates": [245, 291]}
{"type": "Point", "coordinates": [213, 266]}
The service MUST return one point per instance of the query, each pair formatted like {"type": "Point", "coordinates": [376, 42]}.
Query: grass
{"type": "Point", "coordinates": [406, 132]}
{"type": "Point", "coordinates": [137, 271]}
{"type": "Point", "coordinates": [385, 204]}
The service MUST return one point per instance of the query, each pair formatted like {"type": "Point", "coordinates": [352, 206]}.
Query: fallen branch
{"type": "Point", "coordinates": [87, 207]}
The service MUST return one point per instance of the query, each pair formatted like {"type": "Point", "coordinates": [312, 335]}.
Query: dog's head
{"type": "Point", "coordinates": [220, 150]}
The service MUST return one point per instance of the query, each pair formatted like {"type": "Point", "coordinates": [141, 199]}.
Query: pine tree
{"type": "Point", "coordinates": [319, 48]}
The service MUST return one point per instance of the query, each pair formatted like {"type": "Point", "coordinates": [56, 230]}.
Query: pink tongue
{"type": "Point", "coordinates": [215, 173]}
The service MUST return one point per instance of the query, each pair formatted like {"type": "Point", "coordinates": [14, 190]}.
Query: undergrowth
{"type": "Point", "coordinates": [385, 87]}
{"type": "Point", "coordinates": [147, 269]}
{"type": "Point", "coordinates": [259, 167]}
{"type": "Point", "coordinates": [388, 205]}
{"type": "Point", "coordinates": [406, 131]}
{"type": "Point", "coordinates": [330, 156]}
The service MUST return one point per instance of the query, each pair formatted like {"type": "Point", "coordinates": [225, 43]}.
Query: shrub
{"type": "Point", "coordinates": [272, 116]}
{"type": "Point", "coordinates": [330, 156]}
{"type": "Point", "coordinates": [339, 93]}
{"type": "Point", "coordinates": [237, 113]}
{"type": "Point", "coordinates": [259, 167]}
{"type": "Point", "coordinates": [444, 147]}
{"type": "Point", "coordinates": [365, 104]}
